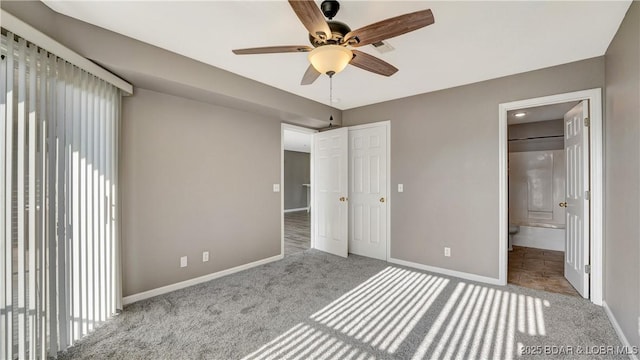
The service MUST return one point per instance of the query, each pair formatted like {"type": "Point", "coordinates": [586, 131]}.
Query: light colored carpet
{"type": "Point", "coordinates": [313, 305]}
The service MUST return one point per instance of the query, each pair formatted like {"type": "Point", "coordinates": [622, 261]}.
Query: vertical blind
{"type": "Point", "coordinates": [59, 261]}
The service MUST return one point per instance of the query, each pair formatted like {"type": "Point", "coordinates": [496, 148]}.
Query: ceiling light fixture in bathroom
{"type": "Point", "coordinates": [520, 114]}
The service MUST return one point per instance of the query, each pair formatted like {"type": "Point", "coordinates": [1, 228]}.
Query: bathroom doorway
{"type": "Point", "coordinates": [555, 215]}
{"type": "Point", "coordinates": [537, 197]}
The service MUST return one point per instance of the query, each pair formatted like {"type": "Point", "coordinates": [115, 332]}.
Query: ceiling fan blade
{"type": "Point", "coordinates": [391, 27]}
{"type": "Point", "coordinates": [310, 76]}
{"type": "Point", "coordinates": [273, 49]}
{"type": "Point", "coordinates": [371, 63]}
{"type": "Point", "coordinates": [312, 18]}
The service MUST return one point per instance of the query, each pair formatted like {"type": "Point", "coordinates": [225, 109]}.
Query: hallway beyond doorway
{"type": "Point", "coordinates": [297, 232]}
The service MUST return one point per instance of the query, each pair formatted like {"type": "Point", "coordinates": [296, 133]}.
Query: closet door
{"type": "Point", "coordinates": [368, 201]}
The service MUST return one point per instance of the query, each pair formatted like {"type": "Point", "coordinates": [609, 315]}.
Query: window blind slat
{"type": "Point", "coordinates": [103, 283]}
{"type": "Point", "coordinates": [116, 207]}
{"type": "Point", "coordinates": [68, 199]}
{"type": "Point", "coordinates": [41, 170]}
{"type": "Point", "coordinates": [21, 207]}
{"type": "Point", "coordinates": [32, 126]}
{"type": "Point", "coordinates": [75, 205]}
{"type": "Point", "coordinates": [90, 206]}
{"type": "Point", "coordinates": [96, 208]}
{"type": "Point", "coordinates": [8, 191]}
{"type": "Point", "coordinates": [107, 202]}
{"type": "Point", "coordinates": [63, 265]}
{"type": "Point", "coordinates": [83, 200]}
{"type": "Point", "coordinates": [4, 283]}
{"type": "Point", "coordinates": [52, 206]}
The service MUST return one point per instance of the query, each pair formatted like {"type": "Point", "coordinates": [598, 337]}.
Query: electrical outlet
{"type": "Point", "coordinates": [276, 187]}
{"type": "Point", "coordinates": [183, 261]}
{"type": "Point", "coordinates": [447, 251]}
{"type": "Point", "coordinates": [205, 256]}
{"type": "Point", "coordinates": [400, 187]}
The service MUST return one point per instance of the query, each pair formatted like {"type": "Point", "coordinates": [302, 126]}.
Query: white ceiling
{"type": "Point", "coordinates": [297, 141]}
{"type": "Point", "coordinates": [540, 113]}
{"type": "Point", "coordinates": [469, 42]}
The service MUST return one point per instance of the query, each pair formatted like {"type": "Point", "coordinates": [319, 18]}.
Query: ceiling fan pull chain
{"type": "Point", "coordinates": [330, 98]}
{"type": "Point", "coordinates": [330, 90]}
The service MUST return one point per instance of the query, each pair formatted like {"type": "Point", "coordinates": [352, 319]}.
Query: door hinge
{"type": "Point", "coordinates": [587, 122]}
{"type": "Point", "coordinates": [587, 195]}
{"type": "Point", "coordinates": [587, 269]}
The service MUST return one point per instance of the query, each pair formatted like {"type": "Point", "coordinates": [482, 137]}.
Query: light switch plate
{"type": "Point", "coordinates": [183, 261]}
{"type": "Point", "coordinates": [276, 187]}
{"type": "Point", "coordinates": [447, 251]}
{"type": "Point", "coordinates": [400, 187]}
{"type": "Point", "coordinates": [205, 256]}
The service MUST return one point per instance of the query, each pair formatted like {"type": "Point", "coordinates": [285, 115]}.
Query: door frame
{"type": "Point", "coordinates": [303, 130]}
{"type": "Point", "coordinates": [387, 125]}
{"type": "Point", "coordinates": [596, 176]}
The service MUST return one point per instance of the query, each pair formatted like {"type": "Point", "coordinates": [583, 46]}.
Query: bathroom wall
{"type": "Point", "coordinates": [550, 136]}
{"type": "Point", "coordinates": [536, 187]}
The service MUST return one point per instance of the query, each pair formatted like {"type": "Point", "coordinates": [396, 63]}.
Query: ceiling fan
{"type": "Point", "coordinates": [333, 41]}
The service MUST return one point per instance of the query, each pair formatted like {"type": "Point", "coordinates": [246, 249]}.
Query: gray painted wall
{"type": "Point", "coordinates": [536, 129]}
{"type": "Point", "coordinates": [622, 176]}
{"type": "Point", "coordinates": [297, 171]}
{"type": "Point", "coordinates": [188, 185]}
{"type": "Point", "coordinates": [444, 149]}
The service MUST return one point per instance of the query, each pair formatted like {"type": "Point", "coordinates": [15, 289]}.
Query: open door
{"type": "Point", "coordinates": [576, 143]}
{"type": "Point", "coordinates": [330, 189]}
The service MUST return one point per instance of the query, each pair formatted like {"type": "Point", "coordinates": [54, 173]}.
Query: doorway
{"type": "Point", "coordinates": [348, 192]}
{"type": "Point", "coordinates": [297, 147]}
{"type": "Point", "coordinates": [584, 261]}
{"type": "Point", "coordinates": [537, 166]}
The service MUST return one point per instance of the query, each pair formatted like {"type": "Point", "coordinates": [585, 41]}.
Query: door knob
{"type": "Point", "coordinates": [563, 204]}
{"type": "Point", "coordinates": [381, 199]}
{"type": "Point", "coordinates": [342, 198]}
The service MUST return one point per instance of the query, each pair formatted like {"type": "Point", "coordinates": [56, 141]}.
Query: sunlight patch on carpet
{"type": "Point", "coordinates": [377, 317]}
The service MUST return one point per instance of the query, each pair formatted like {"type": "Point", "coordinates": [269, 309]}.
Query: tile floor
{"type": "Point", "coordinates": [539, 269]}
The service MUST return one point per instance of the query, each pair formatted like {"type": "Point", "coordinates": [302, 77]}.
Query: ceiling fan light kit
{"type": "Point", "coordinates": [330, 59]}
{"type": "Point", "coordinates": [333, 40]}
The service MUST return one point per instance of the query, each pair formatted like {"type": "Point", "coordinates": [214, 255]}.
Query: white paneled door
{"type": "Point", "coordinates": [368, 192]}
{"type": "Point", "coordinates": [576, 142]}
{"type": "Point", "coordinates": [330, 215]}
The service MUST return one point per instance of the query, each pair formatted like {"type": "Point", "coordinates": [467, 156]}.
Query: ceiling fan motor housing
{"type": "Point", "coordinates": [330, 8]}
{"type": "Point", "coordinates": [338, 30]}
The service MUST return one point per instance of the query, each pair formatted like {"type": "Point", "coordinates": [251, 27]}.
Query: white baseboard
{"type": "Point", "coordinates": [298, 209]}
{"type": "Point", "coordinates": [459, 274]}
{"type": "Point", "coordinates": [618, 329]}
{"type": "Point", "coordinates": [540, 238]}
{"type": "Point", "coordinates": [183, 284]}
